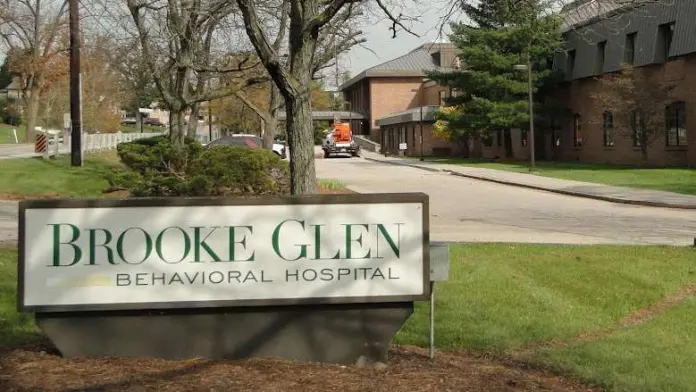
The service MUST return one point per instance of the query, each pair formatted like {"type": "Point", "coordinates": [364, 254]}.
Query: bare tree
{"type": "Point", "coordinates": [180, 42]}
{"type": "Point", "coordinates": [335, 38]}
{"type": "Point", "coordinates": [33, 32]}
{"type": "Point", "coordinates": [637, 98]}
{"type": "Point", "coordinates": [294, 76]}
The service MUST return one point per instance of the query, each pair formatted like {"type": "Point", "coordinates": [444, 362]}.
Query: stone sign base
{"type": "Point", "coordinates": [342, 334]}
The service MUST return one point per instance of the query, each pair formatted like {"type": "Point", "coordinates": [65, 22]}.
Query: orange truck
{"type": "Point", "coordinates": [339, 140]}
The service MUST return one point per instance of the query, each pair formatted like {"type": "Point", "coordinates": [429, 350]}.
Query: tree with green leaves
{"type": "Point", "coordinates": [504, 34]}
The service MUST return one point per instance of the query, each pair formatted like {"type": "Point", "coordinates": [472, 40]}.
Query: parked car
{"type": "Point", "coordinates": [249, 141]}
{"type": "Point", "coordinates": [153, 121]}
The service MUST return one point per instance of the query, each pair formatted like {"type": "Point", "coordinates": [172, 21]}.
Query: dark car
{"type": "Point", "coordinates": [242, 141]}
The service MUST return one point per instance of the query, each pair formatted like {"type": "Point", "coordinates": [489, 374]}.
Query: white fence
{"type": "Point", "coordinates": [109, 141]}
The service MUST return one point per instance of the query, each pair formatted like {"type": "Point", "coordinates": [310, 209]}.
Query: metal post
{"type": "Point", "coordinates": [531, 115]}
{"type": "Point", "coordinates": [432, 320]}
{"type": "Point", "coordinates": [421, 132]}
{"type": "Point", "coordinates": [75, 86]}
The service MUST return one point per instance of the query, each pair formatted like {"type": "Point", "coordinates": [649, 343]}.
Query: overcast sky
{"type": "Point", "coordinates": [380, 41]}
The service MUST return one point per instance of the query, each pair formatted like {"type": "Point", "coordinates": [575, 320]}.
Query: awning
{"type": "Point", "coordinates": [410, 115]}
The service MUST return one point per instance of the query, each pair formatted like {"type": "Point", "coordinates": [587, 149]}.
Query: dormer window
{"type": "Point", "coordinates": [436, 58]}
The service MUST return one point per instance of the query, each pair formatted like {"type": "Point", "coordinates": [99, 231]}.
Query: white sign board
{"type": "Point", "coordinates": [403, 146]}
{"type": "Point", "coordinates": [153, 253]}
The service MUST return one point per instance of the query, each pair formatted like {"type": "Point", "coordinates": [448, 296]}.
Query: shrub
{"type": "Point", "coordinates": [160, 168]}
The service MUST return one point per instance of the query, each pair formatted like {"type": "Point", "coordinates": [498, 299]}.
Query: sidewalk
{"type": "Point", "coordinates": [614, 194]}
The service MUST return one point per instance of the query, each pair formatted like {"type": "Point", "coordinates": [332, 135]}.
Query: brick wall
{"type": "Point", "coordinates": [391, 95]}
{"type": "Point", "coordinates": [578, 97]}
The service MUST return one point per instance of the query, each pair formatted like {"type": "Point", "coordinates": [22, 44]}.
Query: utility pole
{"type": "Point", "coordinates": [75, 86]}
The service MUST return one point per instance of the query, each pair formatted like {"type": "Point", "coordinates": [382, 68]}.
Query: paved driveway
{"type": "Point", "coordinates": [471, 210]}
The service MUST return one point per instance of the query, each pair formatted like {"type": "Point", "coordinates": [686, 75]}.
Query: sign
{"type": "Point", "coordinates": [403, 146]}
{"type": "Point", "coordinates": [181, 253]}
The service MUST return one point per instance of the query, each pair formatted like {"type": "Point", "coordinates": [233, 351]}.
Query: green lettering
{"type": "Point", "coordinates": [242, 241]}
{"type": "Point", "coordinates": [202, 244]}
{"type": "Point", "coordinates": [359, 240]}
{"type": "Point", "coordinates": [395, 247]}
{"type": "Point", "coordinates": [93, 245]}
{"type": "Point", "coordinates": [276, 240]}
{"type": "Point", "coordinates": [122, 237]}
{"type": "Point", "coordinates": [317, 244]}
{"type": "Point", "coordinates": [187, 245]}
{"type": "Point", "coordinates": [77, 254]}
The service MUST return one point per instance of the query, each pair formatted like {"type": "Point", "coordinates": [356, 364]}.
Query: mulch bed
{"type": "Point", "coordinates": [409, 369]}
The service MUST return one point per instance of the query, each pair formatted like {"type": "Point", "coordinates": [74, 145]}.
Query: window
{"type": "Point", "coordinates": [402, 135]}
{"type": "Point", "coordinates": [637, 125]}
{"type": "Point", "coordinates": [665, 33]}
{"type": "Point", "coordinates": [608, 128]}
{"type": "Point", "coordinates": [675, 116]}
{"type": "Point", "coordinates": [499, 137]}
{"type": "Point", "coordinates": [630, 48]}
{"type": "Point", "coordinates": [524, 137]}
{"type": "Point", "coordinates": [601, 50]}
{"type": "Point", "coordinates": [577, 131]}
{"type": "Point", "coordinates": [571, 64]}
{"type": "Point", "coordinates": [443, 97]}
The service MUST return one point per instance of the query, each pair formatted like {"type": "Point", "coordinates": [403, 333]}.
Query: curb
{"type": "Point", "coordinates": [430, 169]}
{"type": "Point", "coordinates": [551, 190]}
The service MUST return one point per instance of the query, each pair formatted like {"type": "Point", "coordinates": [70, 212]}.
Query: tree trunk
{"type": "Point", "coordinates": [272, 122]}
{"type": "Point", "coordinates": [32, 115]}
{"type": "Point", "coordinates": [193, 122]}
{"type": "Point", "coordinates": [177, 126]}
{"type": "Point", "coordinates": [301, 145]}
{"type": "Point", "coordinates": [138, 121]}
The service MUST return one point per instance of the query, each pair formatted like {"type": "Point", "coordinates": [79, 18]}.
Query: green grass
{"type": "Point", "coordinates": [6, 135]}
{"type": "Point", "coordinates": [505, 296]}
{"type": "Point", "coordinates": [15, 328]}
{"type": "Point", "coordinates": [502, 297]}
{"type": "Point", "coordinates": [36, 177]}
{"type": "Point", "coordinates": [656, 356]}
{"type": "Point", "coordinates": [331, 185]}
{"type": "Point", "coordinates": [679, 180]}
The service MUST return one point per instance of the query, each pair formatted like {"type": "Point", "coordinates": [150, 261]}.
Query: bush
{"type": "Point", "coordinates": [160, 168]}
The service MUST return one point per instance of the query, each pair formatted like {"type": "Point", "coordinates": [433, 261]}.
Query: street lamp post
{"type": "Point", "coordinates": [421, 91]}
{"type": "Point", "coordinates": [530, 87]}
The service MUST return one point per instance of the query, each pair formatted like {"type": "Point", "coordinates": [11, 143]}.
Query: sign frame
{"type": "Point", "coordinates": [260, 201]}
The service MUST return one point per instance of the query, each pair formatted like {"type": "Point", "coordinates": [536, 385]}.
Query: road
{"type": "Point", "coordinates": [477, 211]}
{"type": "Point", "coordinates": [8, 151]}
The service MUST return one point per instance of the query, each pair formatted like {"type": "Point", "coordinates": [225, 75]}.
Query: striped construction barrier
{"type": "Point", "coordinates": [41, 143]}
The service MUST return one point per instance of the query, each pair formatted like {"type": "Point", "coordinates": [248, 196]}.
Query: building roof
{"type": "Point", "coordinates": [414, 63]}
{"type": "Point", "coordinates": [13, 86]}
{"type": "Point", "coordinates": [409, 116]}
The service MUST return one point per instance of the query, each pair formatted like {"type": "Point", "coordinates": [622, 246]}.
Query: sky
{"type": "Point", "coordinates": [380, 41]}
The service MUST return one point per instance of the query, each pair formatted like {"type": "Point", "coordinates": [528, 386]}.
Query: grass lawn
{"type": "Point", "coordinates": [502, 297]}
{"type": "Point", "coordinates": [6, 135]}
{"type": "Point", "coordinates": [679, 180]}
{"type": "Point", "coordinates": [330, 184]}
{"type": "Point", "coordinates": [35, 177]}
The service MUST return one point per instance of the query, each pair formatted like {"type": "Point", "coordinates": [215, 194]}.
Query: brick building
{"type": "Point", "coordinates": [659, 40]}
{"type": "Point", "coordinates": [392, 95]}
